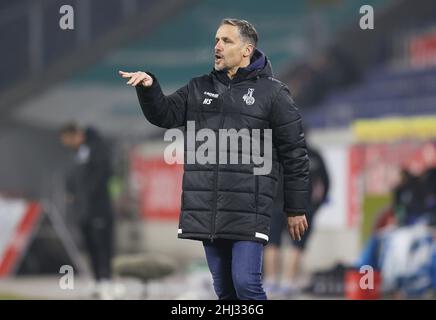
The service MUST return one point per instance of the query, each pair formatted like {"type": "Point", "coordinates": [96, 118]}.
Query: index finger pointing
{"type": "Point", "coordinates": [124, 74]}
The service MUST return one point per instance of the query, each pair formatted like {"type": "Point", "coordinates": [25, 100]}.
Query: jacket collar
{"type": "Point", "coordinates": [259, 67]}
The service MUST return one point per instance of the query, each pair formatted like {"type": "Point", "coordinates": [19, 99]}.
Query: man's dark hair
{"type": "Point", "coordinates": [69, 128]}
{"type": "Point", "coordinates": [246, 29]}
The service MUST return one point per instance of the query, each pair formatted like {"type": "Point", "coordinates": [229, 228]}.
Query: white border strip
{"type": "Point", "coordinates": [261, 236]}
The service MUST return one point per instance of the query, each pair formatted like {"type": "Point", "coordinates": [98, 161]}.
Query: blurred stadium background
{"type": "Point", "coordinates": [368, 97]}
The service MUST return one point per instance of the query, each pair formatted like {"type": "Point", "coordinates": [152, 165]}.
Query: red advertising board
{"type": "Point", "coordinates": [158, 186]}
{"type": "Point", "coordinates": [422, 50]}
{"type": "Point", "coordinates": [374, 169]}
{"type": "Point", "coordinates": [17, 221]}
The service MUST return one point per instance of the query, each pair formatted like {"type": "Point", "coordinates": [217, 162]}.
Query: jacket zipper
{"type": "Point", "coordinates": [215, 202]}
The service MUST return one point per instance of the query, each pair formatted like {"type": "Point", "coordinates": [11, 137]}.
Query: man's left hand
{"type": "Point", "coordinates": [297, 226]}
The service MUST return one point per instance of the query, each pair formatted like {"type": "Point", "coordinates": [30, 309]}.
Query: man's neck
{"type": "Point", "coordinates": [232, 72]}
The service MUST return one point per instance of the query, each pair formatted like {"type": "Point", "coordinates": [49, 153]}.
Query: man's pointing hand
{"type": "Point", "coordinates": [136, 78]}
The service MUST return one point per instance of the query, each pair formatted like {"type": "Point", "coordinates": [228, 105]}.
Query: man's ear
{"type": "Point", "coordinates": [249, 48]}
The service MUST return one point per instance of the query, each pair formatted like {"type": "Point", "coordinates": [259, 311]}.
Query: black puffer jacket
{"type": "Point", "coordinates": [227, 200]}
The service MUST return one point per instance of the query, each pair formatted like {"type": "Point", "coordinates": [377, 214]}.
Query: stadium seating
{"type": "Point", "coordinates": [383, 92]}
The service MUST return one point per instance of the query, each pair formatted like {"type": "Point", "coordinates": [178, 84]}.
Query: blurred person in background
{"type": "Point", "coordinates": [402, 243]}
{"type": "Point", "coordinates": [227, 207]}
{"type": "Point", "coordinates": [275, 285]}
{"type": "Point", "coordinates": [404, 196]}
{"type": "Point", "coordinates": [312, 80]}
{"type": "Point", "coordinates": [87, 187]}
{"type": "Point", "coordinates": [414, 197]}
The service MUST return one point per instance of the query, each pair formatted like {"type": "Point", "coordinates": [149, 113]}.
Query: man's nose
{"type": "Point", "coordinates": [218, 47]}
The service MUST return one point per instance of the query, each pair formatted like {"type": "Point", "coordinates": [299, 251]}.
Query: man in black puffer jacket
{"type": "Point", "coordinates": [228, 206]}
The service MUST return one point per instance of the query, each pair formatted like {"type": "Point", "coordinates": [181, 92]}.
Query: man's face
{"type": "Point", "coordinates": [71, 140]}
{"type": "Point", "coordinates": [230, 50]}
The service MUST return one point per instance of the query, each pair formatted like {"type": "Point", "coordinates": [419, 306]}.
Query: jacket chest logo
{"type": "Point", "coordinates": [209, 94]}
{"type": "Point", "coordinates": [248, 97]}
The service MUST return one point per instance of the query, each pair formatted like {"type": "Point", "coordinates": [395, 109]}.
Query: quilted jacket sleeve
{"type": "Point", "coordinates": [288, 138]}
{"type": "Point", "coordinates": [161, 110]}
